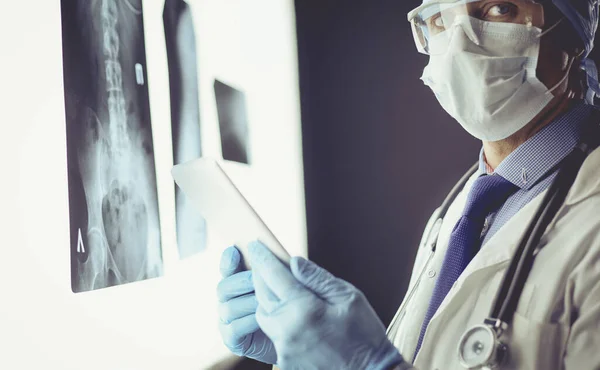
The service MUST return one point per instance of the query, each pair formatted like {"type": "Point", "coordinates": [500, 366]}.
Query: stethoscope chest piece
{"type": "Point", "coordinates": [480, 348]}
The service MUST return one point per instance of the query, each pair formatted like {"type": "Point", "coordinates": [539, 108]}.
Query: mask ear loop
{"type": "Point", "coordinates": [551, 28]}
{"type": "Point", "coordinates": [566, 75]}
{"type": "Point", "coordinates": [570, 93]}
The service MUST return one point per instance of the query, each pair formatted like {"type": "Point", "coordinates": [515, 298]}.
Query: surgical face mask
{"type": "Point", "coordinates": [486, 76]}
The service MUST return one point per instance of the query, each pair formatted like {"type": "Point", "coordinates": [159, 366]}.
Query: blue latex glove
{"type": "Point", "coordinates": [237, 308]}
{"type": "Point", "coordinates": [315, 320]}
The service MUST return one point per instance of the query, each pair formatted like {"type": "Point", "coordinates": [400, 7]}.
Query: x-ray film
{"type": "Point", "coordinates": [113, 206]}
{"type": "Point", "coordinates": [233, 123]}
{"type": "Point", "coordinates": [185, 117]}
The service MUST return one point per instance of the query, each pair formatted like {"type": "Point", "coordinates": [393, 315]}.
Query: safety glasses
{"type": "Point", "coordinates": [435, 17]}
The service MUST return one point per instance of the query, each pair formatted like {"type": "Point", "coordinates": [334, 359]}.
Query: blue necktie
{"type": "Point", "coordinates": [487, 194]}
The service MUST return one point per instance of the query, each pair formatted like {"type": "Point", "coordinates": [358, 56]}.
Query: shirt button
{"type": "Point", "coordinates": [431, 273]}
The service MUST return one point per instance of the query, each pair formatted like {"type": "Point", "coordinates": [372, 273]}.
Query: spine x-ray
{"type": "Point", "coordinates": [113, 206]}
{"type": "Point", "coordinates": [185, 116]}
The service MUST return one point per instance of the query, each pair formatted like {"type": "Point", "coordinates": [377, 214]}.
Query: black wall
{"type": "Point", "coordinates": [380, 154]}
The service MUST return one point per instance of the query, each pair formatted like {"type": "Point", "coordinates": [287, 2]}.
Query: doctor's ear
{"type": "Point", "coordinates": [576, 52]}
{"type": "Point", "coordinates": [563, 34]}
{"type": "Point", "coordinates": [567, 39]}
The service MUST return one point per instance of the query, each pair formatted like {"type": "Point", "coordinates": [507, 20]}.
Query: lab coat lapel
{"type": "Point", "coordinates": [498, 249]}
{"type": "Point", "coordinates": [502, 245]}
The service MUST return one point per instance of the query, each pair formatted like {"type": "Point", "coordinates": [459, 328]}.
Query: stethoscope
{"type": "Point", "coordinates": [481, 347]}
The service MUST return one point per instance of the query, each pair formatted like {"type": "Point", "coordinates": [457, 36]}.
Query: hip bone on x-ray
{"type": "Point", "coordinates": [113, 206]}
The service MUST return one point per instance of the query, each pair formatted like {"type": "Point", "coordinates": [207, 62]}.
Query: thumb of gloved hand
{"type": "Point", "coordinates": [318, 280]}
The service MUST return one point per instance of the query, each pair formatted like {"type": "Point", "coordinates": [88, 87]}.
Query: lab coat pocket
{"type": "Point", "coordinates": [535, 345]}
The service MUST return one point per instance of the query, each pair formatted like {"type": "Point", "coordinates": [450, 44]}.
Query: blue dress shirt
{"type": "Point", "coordinates": [534, 164]}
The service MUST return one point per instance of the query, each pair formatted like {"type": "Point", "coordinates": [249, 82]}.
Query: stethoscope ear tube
{"type": "Point", "coordinates": [516, 275]}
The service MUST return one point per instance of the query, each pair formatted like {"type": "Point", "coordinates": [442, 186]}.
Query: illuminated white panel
{"type": "Point", "coordinates": [163, 323]}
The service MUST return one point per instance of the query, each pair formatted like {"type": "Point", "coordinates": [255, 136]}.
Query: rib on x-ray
{"type": "Point", "coordinates": [113, 206]}
{"type": "Point", "coordinates": [185, 116]}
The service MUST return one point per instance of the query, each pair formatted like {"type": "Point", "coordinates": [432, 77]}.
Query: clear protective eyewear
{"type": "Point", "coordinates": [436, 16]}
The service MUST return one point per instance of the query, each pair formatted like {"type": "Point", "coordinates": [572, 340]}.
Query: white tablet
{"type": "Point", "coordinates": [225, 209]}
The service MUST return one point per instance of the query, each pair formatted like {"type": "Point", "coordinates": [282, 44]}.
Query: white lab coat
{"type": "Point", "coordinates": [557, 322]}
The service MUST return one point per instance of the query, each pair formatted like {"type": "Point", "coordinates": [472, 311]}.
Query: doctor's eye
{"type": "Point", "coordinates": [435, 24]}
{"type": "Point", "coordinates": [498, 12]}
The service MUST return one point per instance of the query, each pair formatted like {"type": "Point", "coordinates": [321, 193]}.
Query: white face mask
{"type": "Point", "coordinates": [486, 78]}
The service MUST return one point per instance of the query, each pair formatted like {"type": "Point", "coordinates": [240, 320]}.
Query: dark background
{"type": "Point", "coordinates": [380, 154]}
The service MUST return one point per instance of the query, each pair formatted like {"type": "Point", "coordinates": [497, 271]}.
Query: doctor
{"type": "Point", "coordinates": [514, 74]}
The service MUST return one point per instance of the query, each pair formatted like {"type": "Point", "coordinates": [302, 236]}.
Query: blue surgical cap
{"type": "Point", "coordinates": [583, 16]}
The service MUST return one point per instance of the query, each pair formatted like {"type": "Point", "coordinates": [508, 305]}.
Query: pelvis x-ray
{"type": "Point", "coordinates": [185, 116]}
{"type": "Point", "coordinates": [115, 233]}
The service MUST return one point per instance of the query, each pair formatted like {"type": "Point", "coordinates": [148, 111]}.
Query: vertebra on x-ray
{"type": "Point", "coordinates": [113, 205]}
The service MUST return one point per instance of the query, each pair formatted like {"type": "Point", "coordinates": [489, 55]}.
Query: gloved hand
{"type": "Point", "coordinates": [315, 320]}
{"type": "Point", "coordinates": [237, 308]}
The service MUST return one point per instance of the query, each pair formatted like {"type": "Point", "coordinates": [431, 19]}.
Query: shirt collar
{"type": "Point", "coordinates": [534, 159]}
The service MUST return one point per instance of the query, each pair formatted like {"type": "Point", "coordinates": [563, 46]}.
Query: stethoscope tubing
{"type": "Point", "coordinates": [522, 262]}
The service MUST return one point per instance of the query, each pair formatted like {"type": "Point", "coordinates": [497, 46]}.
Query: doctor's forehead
{"type": "Point", "coordinates": [530, 6]}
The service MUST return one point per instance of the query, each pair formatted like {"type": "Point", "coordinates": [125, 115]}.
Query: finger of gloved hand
{"type": "Point", "coordinates": [275, 274]}
{"type": "Point", "coordinates": [235, 286]}
{"type": "Point", "coordinates": [230, 262]}
{"type": "Point", "coordinates": [237, 308]}
{"type": "Point", "coordinates": [318, 280]}
{"type": "Point", "coordinates": [276, 325]}
{"type": "Point", "coordinates": [234, 333]}
{"type": "Point", "coordinates": [265, 297]}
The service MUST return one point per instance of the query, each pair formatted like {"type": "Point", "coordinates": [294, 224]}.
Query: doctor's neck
{"type": "Point", "coordinates": [497, 151]}
{"type": "Point", "coordinates": [572, 92]}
